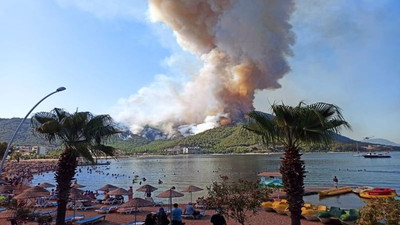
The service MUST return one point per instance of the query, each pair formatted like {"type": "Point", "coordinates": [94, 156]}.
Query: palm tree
{"type": "Point", "coordinates": [293, 127]}
{"type": "Point", "coordinates": [81, 134]}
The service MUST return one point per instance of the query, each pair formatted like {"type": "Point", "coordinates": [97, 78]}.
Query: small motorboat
{"type": "Point", "coordinates": [379, 193]}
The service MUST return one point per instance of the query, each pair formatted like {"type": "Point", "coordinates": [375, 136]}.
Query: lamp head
{"type": "Point", "coordinates": [60, 89]}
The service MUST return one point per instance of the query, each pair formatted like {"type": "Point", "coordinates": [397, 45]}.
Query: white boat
{"type": "Point", "coordinates": [377, 155]}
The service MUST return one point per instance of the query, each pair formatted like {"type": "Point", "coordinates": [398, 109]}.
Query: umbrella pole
{"type": "Point", "coordinates": [135, 217]}
{"type": "Point", "coordinates": [191, 199]}
{"type": "Point", "coordinates": [74, 206]}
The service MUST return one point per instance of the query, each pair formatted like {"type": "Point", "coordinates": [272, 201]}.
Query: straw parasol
{"type": "Point", "coordinates": [46, 185]}
{"type": "Point", "coordinates": [33, 192]}
{"type": "Point", "coordinates": [76, 194]}
{"type": "Point", "coordinates": [119, 191]}
{"type": "Point", "coordinates": [136, 202]}
{"type": "Point", "coordinates": [76, 185]}
{"type": "Point", "coordinates": [20, 188]}
{"type": "Point", "coordinates": [107, 187]}
{"type": "Point", "coordinates": [191, 189]}
{"type": "Point", "coordinates": [146, 188]}
{"type": "Point", "coordinates": [170, 193]}
{"type": "Point", "coordinates": [269, 174]}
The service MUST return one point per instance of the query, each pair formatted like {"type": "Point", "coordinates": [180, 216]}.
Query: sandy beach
{"type": "Point", "coordinates": [261, 218]}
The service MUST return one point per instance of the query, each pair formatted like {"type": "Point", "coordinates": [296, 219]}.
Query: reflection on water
{"type": "Point", "coordinates": [201, 170]}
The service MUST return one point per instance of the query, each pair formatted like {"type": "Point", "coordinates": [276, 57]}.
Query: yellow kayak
{"type": "Point", "coordinates": [335, 191]}
{"type": "Point", "coordinates": [368, 194]}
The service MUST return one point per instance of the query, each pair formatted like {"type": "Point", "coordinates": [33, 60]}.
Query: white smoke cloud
{"type": "Point", "coordinates": [242, 47]}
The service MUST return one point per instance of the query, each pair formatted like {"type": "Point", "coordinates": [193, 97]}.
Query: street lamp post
{"type": "Point", "coordinates": [19, 127]}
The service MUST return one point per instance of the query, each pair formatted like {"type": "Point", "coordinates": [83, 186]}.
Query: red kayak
{"type": "Point", "coordinates": [381, 191]}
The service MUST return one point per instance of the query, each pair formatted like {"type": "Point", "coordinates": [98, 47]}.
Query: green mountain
{"type": "Point", "coordinates": [25, 135]}
{"type": "Point", "coordinates": [227, 139]}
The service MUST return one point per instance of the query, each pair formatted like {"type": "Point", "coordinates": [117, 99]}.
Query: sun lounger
{"type": "Point", "coordinates": [135, 223]}
{"type": "Point", "coordinates": [127, 210]}
{"type": "Point", "coordinates": [85, 207]}
{"type": "Point", "coordinates": [111, 202]}
{"type": "Point", "coordinates": [48, 213]}
{"type": "Point", "coordinates": [91, 220]}
{"type": "Point", "coordinates": [72, 218]}
{"type": "Point", "coordinates": [106, 209]}
{"type": "Point", "coordinates": [190, 216]}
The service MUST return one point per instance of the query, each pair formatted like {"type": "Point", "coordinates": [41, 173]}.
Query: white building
{"type": "Point", "coordinates": [192, 150]}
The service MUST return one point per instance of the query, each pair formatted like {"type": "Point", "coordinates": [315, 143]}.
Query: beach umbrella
{"type": "Point", "coordinates": [136, 202]}
{"type": "Point", "coordinates": [107, 187]}
{"type": "Point", "coordinates": [119, 191]}
{"type": "Point", "coordinates": [20, 188]}
{"type": "Point", "coordinates": [76, 194]}
{"type": "Point", "coordinates": [33, 192]}
{"type": "Point", "coordinates": [146, 188]}
{"type": "Point", "coordinates": [170, 193]}
{"type": "Point", "coordinates": [46, 185]}
{"type": "Point", "coordinates": [76, 185]}
{"type": "Point", "coordinates": [191, 189]}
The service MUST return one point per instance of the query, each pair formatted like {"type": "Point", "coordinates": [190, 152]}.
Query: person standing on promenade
{"type": "Point", "coordinates": [176, 215]}
{"type": "Point", "coordinates": [335, 181]}
{"type": "Point", "coordinates": [130, 195]}
{"type": "Point", "coordinates": [218, 218]}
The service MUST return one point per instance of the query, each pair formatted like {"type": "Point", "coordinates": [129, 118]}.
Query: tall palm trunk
{"type": "Point", "coordinates": [64, 175]}
{"type": "Point", "coordinates": [292, 170]}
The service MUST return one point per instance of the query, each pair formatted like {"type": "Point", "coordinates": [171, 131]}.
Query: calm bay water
{"type": "Point", "coordinates": [201, 170]}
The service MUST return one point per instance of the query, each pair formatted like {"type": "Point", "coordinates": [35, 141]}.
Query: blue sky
{"type": "Point", "coordinates": [346, 53]}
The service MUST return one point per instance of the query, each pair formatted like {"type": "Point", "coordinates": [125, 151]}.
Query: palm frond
{"type": "Point", "coordinates": [108, 150]}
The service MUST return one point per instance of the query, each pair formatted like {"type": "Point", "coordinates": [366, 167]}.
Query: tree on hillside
{"type": "Point", "coordinates": [294, 127]}
{"type": "Point", "coordinates": [3, 147]}
{"type": "Point", "coordinates": [81, 133]}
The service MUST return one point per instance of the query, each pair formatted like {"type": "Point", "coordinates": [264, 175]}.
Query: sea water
{"type": "Point", "coordinates": [201, 170]}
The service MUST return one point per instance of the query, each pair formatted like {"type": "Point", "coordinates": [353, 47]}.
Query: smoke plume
{"type": "Point", "coordinates": [243, 46]}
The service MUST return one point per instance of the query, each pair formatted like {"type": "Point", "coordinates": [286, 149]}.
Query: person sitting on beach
{"type": "Point", "coordinates": [150, 220]}
{"type": "Point", "coordinates": [176, 215]}
{"type": "Point", "coordinates": [162, 218]}
{"type": "Point", "coordinates": [218, 218]}
{"type": "Point", "coordinates": [189, 210]}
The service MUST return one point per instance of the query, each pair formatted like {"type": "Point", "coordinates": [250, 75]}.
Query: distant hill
{"type": "Point", "coordinates": [25, 135]}
{"type": "Point", "coordinates": [224, 139]}
{"type": "Point", "coordinates": [380, 141]}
